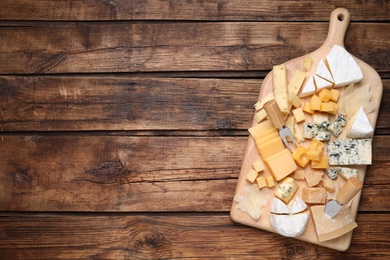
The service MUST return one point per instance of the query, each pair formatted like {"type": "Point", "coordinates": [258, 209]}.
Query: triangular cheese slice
{"type": "Point", "coordinates": [309, 88]}
{"type": "Point", "coordinates": [321, 83]}
{"type": "Point", "coordinates": [360, 126]}
{"type": "Point", "coordinates": [323, 71]}
{"type": "Point", "coordinates": [343, 67]}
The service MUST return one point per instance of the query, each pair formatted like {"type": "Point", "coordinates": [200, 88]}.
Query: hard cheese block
{"type": "Point", "coordinates": [329, 228]}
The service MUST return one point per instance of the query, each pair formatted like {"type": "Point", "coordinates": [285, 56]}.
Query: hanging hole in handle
{"type": "Point", "coordinates": [341, 17]}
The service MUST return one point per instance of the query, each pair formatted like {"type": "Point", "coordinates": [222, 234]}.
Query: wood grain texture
{"type": "Point", "coordinates": [134, 47]}
{"type": "Point", "coordinates": [266, 10]}
{"type": "Point", "coordinates": [172, 236]}
{"type": "Point", "coordinates": [60, 103]}
{"type": "Point", "coordinates": [138, 174]}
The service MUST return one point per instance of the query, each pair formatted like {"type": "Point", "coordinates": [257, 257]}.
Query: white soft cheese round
{"type": "Point", "coordinates": [289, 225]}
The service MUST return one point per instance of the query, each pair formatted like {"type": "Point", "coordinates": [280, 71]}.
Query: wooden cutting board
{"type": "Point", "coordinates": [339, 22]}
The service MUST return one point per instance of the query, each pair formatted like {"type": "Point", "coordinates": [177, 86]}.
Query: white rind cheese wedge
{"type": "Point", "coordinates": [289, 222]}
{"type": "Point", "coordinates": [298, 206]}
{"type": "Point", "coordinates": [279, 207]}
{"type": "Point", "coordinates": [343, 67]}
{"type": "Point", "coordinates": [309, 88]}
{"type": "Point", "coordinates": [321, 83]}
{"type": "Point", "coordinates": [323, 72]}
{"type": "Point", "coordinates": [359, 126]}
{"type": "Point", "coordinates": [289, 225]}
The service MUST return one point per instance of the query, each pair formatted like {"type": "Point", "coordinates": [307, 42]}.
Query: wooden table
{"type": "Point", "coordinates": [124, 124]}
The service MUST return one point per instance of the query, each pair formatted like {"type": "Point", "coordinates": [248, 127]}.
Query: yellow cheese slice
{"type": "Point", "coordinates": [280, 87]}
{"type": "Point", "coordinates": [271, 147]}
{"type": "Point", "coordinates": [280, 170]}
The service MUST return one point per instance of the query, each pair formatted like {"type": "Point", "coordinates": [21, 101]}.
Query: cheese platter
{"type": "Point", "coordinates": [329, 102]}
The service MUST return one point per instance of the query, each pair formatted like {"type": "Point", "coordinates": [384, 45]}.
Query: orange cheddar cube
{"type": "Point", "coordinates": [298, 115]}
{"type": "Point", "coordinates": [335, 95]}
{"type": "Point", "coordinates": [261, 183]}
{"type": "Point", "coordinates": [270, 181]}
{"type": "Point", "coordinates": [325, 95]}
{"type": "Point", "coordinates": [329, 107]}
{"type": "Point", "coordinates": [307, 109]}
{"type": "Point", "coordinates": [299, 156]}
{"type": "Point", "coordinates": [258, 166]}
{"type": "Point", "coordinates": [314, 154]}
{"type": "Point", "coordinates": [316, 144]}
{"type": "Point", "coordinates": [251, 176]}
{"type": "Point", "coordinates": [321, 164]}
{"type": "Point", "coordinates": [315, 102]}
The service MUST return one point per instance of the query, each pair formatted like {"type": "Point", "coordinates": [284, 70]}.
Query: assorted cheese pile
{"type": "Point", "coordinates": [317, 113]}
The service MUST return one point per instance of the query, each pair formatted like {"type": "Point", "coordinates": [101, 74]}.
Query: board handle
{"type": "Point", "coordinates": [338, 25]}
{"type": "Point", "coordinates": [349, 190]}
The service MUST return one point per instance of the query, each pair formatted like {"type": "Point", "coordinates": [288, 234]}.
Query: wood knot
{"type": "Point", "coordinates": [106, 170]}
{"type": "Point", "coordinates": [20, 178]}
{"type": "Point", "coordinates": [153, 244]}
{"type": "Point", "coordinates": [295, 250]}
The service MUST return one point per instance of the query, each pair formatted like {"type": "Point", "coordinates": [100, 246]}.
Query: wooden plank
{"type": "Point", "coordinates": [70, 103]}
{"type": "Point", "coordinates": [268, 10]}
{"type": "Point", "coordinates": [172, 236]}
{"type": "Point", "coordinates": [132, 174]}
{"type": "Point", "coordinates": [133, 47]}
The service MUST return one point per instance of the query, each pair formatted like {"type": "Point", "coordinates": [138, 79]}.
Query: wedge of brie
{"type": "Point", "coordinates": [343, 67]}
{"type": "Point", "coordinates": [323, 72]}
{"type": "Point", "coordinates": [359, 126]}
{"type": "Point", "coordinates": [309, 88]}
{"type": "Point", "coordinates": [322, 83]}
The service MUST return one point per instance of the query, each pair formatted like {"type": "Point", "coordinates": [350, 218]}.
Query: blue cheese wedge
{"type": "Point", "coordinates": [322, 135]}
{"type": "Point", "coordinates": [318, 118]}
{"type": "Point", "coordinates": [341, 119]}
{"type": "Point", "coordinates": [347, 173]}
{"type": "Point", "coordinates": [335, 128]}
{"type": "Point", "coordinates": [286, 189]}
{"type": "Point", "coordinates": [343, 67]}
{"type": "Point", "coordinates": [332, 173]}
{"type": "Point", "coordinates": [309, 130]}
{"type": "Point", "coordinates": [350, 152]}
{"type": "Point", "coordinates": [359, 126]}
